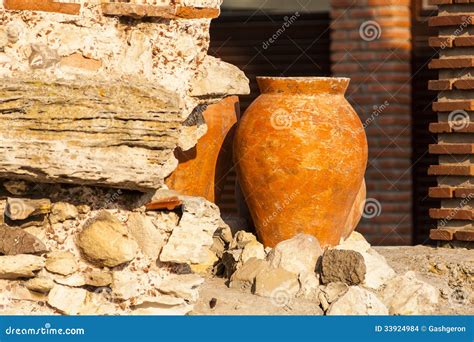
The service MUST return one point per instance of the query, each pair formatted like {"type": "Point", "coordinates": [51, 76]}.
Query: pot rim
{"type": "Point", "coordinates": [310, 85]}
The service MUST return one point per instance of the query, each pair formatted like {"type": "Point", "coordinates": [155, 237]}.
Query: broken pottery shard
{"type": "Point", "coordinates": [92, 124]}
{"type": "Point", "coordinates": [344, 266]}
{"type": "Point", "coordinates": [22, 208]}
{"type": "Point", "coordinates": [17, 241]}
{"type": "Point", "coordinates": [105, 241]}
{"type": "Point", "coordinates": [20, 266]}
{"type": "Point", "coordinates": [170, 203]}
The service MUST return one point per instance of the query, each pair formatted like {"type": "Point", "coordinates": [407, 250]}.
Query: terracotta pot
{"type": "Point", "coordinates": [356, 212]}
{"type": "Point", "coordinates": [202, 170]}
{"type": "Point", "coordinates": [300, 153]}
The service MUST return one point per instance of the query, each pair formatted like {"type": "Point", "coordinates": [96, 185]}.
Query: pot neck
{"type": "Point", "coordinates": [303, 85]}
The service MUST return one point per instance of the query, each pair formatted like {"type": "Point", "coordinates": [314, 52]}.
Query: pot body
{"type": "Point", "coordinates": [356, 212]}
{"type": "Point", "coordinates": [202, 169]}
{"type": "Point", "coordinates": [300, 153]}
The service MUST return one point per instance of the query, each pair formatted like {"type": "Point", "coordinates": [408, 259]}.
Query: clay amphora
{"type": "Point", "coordinates": [300, 152]}
{"type": "Point", "coordinates": [202, 170]}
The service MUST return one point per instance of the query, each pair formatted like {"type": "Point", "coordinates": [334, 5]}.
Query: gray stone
{"type": "Point", "coordinates": [105, 241]}
{"type": "Point", "coordinates": [298, 255]}
{"type": "Point", "coordinates": [357, 301]}
{"type": "Point", "coordinates": [343, 266]}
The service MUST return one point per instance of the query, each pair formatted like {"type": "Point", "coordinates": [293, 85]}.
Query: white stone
{"type": "Point", "coordinates": [149, 238]}
{"type": "Point", "coordinates": [298, 255]}
{"type": "Point", "coordinates": [20, 266]}
{"type": "Point", "coordinates": [67, 300]}
{"type": "Point", "coordinates": [357, 301]}
{"type": "Point", "coordinates": [378, 272]}
{"type": "Point", "coordinates": [407, 295]}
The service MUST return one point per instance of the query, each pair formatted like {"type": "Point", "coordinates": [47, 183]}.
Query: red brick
{"type": "Point", "coordinates": [43, 5]}
{"type": "Point", "coordinates": [451, 20]}
{"type": "Point", "coordinates": [451, 148]}
{"type": "Point", "coordinates": [451, 170]}
{"type": "Point", "coordinates": [441, 192]}
{"type": "Point", "coordinates": [439, 234]}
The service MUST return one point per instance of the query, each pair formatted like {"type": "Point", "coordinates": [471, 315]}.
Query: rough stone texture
{"type": "Point", "coordinates": [333, 291]}
{"type": "Point", "coordinates": [17, 241]}
{"type": "Point", "coordinates": [105, 241]}
{"type": "Point", "coordinates": [298, 255]}
{"type": "Point", "coordinates": [244, 278]}
{"type": "Point", "coordinates": [277, 283]}
{"type": "Point", "coordinates": [18, 209]}
{"type": "Point", "coordinates": [103, 87]}
{"type": "Point", "coordinates": [358, 301]}
{"type": "Point", "coordinates": [40, 284]}
{"type": "Point", "coordinates": [407, 295]}
{"type": "Point", "coordinates": [20, 266]}
{"type": "Point", "coordinates": [149, 238]}
{"type": "Point", "coordinates": [69, 301]}
{"type": "Point", "coordinates": [193, 237]}
{"type": "Point", "coordinates": [63, 263]}
{"type": "Point", "coordinates": [61, 212]}
{"type": "Point", "coordinates": [343, 265]}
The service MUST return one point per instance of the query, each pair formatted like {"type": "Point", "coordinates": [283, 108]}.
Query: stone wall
{"type": "Point", "coordinates": [113, 95]}
{"type": "Point", "coordinates": [371, 44]}
{"type": "Point", "coordinates": [455, 108]}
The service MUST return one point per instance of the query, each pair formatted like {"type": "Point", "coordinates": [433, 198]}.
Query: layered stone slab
{"type": "Point", "coordinates": [88, 132]}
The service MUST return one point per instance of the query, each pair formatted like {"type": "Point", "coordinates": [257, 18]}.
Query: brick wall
{"type": "Point", "coordinates": [371, 44]}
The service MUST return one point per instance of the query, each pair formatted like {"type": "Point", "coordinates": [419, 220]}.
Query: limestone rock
{"type": "Point", "coordinates": [17, 241]}
{"type": "Point", "coordinates": [357, 301]}
{"type": "Point", "coordinates": [23, 208]}
{"type": "Point", "coordinates": [333, 291]}
{"type": "Point", "coordinates": [216, 78]}
{"type": "Point", "coordinates": [16, 187]}
{"type": "Point", "coordinates": [191, 240]}
{"type": "Point", "coordinates": [309, 286]}
{"type": "Point", "coordinates": [63, 263]}
{"type": "Point", "coordinates": [40, 284]}
{"type": "Point", "coordinates": [244, 278]}
{"type": "Point", "coordinates": [98, 278]}
{"type": "Point", "coordinates": [343, 265]}
{"type": "Point", "coordinates": [61, 212]}
{"type": "Point", "coordinates": [378, 272]}
{"type": "Point", "coordinates": [355, 242]}
{"type": "Point", "coordinates": [67, 300]}
{"type": "Point", "coordinates": [150, 240]}
{"type": "Point", "coordinates": [125, 284]}
{"type": "Point", "coordinates": [253, 249]}
{"type": "Point", "coordinates": [105, 241]}
{"type": "Point", "coordinates": [298, 255]}
{"type": "Point", "coordinates": [407, 295]}
{"type": "Point", "coordinates": [277, 283]}
{"type": "Point", "coordinates": [241, 239]}
{"type": "Point", "coordinates": [20, 266]}
{"type": "Point", "coordinates": [182, 286]}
